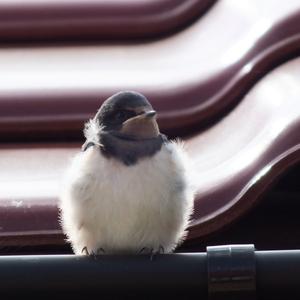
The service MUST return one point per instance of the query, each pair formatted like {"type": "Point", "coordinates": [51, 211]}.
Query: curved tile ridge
{"type": "Point", "coordinates": [235, 161]}
{"type": "Point", "coordinates": [239, 159]}
{"type": "Point", "coordinates": [52, 20]}
{"type": "Point", "coordinates": [186, 76]}
{"type": "Point", "coordinates": [30, 180]}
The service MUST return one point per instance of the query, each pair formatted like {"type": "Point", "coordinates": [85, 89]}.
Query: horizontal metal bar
{"type": "Point", "coordinates": [278, 274]}
{"type": "Point", "coordinates": [110, 277]}
{"type": "Point", "coordinates": [181, 276]}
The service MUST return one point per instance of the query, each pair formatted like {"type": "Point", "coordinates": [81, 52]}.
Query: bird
{"type": "Point", "coordinates": [128, 191]}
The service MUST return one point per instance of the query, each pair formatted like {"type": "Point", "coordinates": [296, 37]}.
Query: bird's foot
{"type": "Point", "coordinates": [96, 255]}
{"type": "Point", "coordinates": [100, 251]}
{"type": "Point", "coordinates": [92, 253]}
{"type": "Point", "coordinates": [85, 251]}
{"type": "Point", "coordinates": [153, 252]}
{"type": "Point", "coordinates": [143, 250]}
{"type": "Point", "coordinates": [161, 249]}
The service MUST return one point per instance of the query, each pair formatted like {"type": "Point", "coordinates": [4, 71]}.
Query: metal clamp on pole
{"type": "Point", "coordinates": [231, 272]}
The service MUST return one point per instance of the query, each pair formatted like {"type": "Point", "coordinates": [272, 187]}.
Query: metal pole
{"type": "Point", "coordinates": [278, 274]}
{"type": "Point", "coordinates": [225, 272]}
{"type": "Point", "coordinates": [108, 277]}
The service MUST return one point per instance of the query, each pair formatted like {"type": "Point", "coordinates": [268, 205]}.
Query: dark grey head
{"type": "Point", "coordinates": [122, 107]}
{"type": "Point", "coordinates": [130, 130]}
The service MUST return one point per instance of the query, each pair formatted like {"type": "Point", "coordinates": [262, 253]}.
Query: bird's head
{"type": "Point", "coordinates": [128, 115]}
{"type": "Point", "coordinates": [125, 128]}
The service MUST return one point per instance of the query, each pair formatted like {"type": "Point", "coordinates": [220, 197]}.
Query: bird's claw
{"type": "Point", "coordinates": [92, 253]}
{"type": "Point", "coordinates": [100, 251]}
{"type": "Point", "coordinates": [161, 249]}
{"type": "Point", "coordinates": [142, 250]}
{"type": "Point", "coordinates": [85, 249]}
{"type": "Point", "coordinates": [152, 252]}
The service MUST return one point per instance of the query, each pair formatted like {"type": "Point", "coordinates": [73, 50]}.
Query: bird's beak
{"type": "Point", "coordinates": [149, 114]}
{"type": "Point", "coordinates": [142, 126]}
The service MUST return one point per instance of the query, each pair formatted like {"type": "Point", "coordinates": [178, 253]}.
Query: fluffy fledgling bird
{"type": "Point", "coordinates": [128, 190]}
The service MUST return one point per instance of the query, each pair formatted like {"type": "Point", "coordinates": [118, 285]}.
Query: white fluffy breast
{"type": "Point", "coordinates": [122, 209]}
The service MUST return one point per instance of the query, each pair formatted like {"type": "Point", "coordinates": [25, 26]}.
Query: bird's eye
{"type": "Point", "coordinates": [123, 115]}
{"type": "Point", "coordinates": [120, 115]}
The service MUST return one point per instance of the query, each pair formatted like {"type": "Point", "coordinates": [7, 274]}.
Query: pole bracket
{"type": "Point", "coordinates": [231, 272]}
